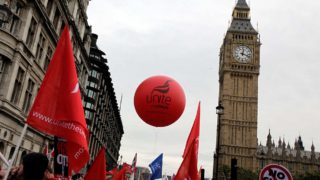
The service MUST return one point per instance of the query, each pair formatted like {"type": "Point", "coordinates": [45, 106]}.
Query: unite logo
{"type": "Point", "coordinates": [158, 97]}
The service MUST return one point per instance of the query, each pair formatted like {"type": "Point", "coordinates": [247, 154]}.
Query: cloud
{"type": "Point", "coordinates": [182, 39]}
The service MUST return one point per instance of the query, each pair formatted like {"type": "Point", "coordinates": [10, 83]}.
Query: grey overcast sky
{"type": "Point", "coordinates": [181, 39]}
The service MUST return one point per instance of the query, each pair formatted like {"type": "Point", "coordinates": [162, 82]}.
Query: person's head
{"type": "Point", "coordinates": [34, 166]}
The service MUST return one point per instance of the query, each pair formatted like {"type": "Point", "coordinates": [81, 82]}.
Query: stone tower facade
{"type": "Point", "coordinates": [238, 82]}
{"type": "Point", "coordinates": [239, 66]}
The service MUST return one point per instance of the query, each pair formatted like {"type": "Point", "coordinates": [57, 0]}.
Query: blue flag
{"type": "Point", "coordinates": [156, 167]}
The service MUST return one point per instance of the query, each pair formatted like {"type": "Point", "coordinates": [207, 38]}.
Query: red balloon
{"type": "Point", "coordinates": [159, 101]}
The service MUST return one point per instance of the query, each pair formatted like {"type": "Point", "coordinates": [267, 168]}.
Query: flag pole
{"type": "Point", "coordinates": [24, 130]}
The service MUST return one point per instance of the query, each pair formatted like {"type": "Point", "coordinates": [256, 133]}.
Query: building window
{"type": "Point", "coordinates": [40, 47]}
{"type": "Point", "coordinates": [15, 23]}
{"type": "Point", "coordinates": [17, 87]}
{"type": "Point", "coordinates": [77, 16]}
{"type": "Point", "coordinates": [88, 115]}
{"type": "Point", "coordinates": [48, 58]}
{"type": "Point", "coordinates": [11, 152]}
{"type": "Point", "coordinates": [89, 105]}
{"type": "Point", "coordinates": [62, 27]}
{"type": "Point", "coordinates": [94, 74]}
{"type": "Point", "coordinates": [56, 19]}
{"type": "Point", "coordinates": [14, 27]}
{"type": "Point", "coordinates": [17, 8]}
{"type": "Point", "coordinates": [2, 147]}
{"type": "Point", "coordinates": [24, 153]}
{"type": "Point", "coordinates": [49, 6]}
{"type": "Point", "coordinates": [93, 85]}
{"type": "Point", "coordinates": [31, 32]}
{"type": "Point", "coordinates": [262, 163]}
{"type": "Point", "coordinates": [91, 94]}
{"type": "Point", "coordinates": [28, 96]}
{"type": "Point", "coordinates": [3, 69]}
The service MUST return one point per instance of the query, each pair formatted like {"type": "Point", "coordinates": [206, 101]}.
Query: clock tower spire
{"type": "Point", "coordinates": [239, 64]}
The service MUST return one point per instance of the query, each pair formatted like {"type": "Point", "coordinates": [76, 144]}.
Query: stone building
{"type": "Point", "coordinates": [239, 68]}
{"type": "Point", "coordinates": [29, 31]}
{"type": "Point", "coordinates": [101, 108]}
{"type": "Point", "coordinates": [296, 158]}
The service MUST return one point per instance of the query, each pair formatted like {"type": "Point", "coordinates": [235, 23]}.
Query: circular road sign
{"type": "Point", "coordinates": [275, 172]}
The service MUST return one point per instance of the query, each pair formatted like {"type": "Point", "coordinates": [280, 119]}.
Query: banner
{"type": "Point", "coordinates": [156, 167]}
{"type": "Point", "coordinates": [60, 158]}
{"type": "Point", "coordinates": [57, 109]}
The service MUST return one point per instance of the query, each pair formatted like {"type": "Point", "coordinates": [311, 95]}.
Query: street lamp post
{"type": "Point", "coordinates": [219, 112]}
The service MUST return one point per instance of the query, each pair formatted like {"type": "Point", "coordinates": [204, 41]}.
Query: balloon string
{"type": "Point", "coordinates": [155, 141]}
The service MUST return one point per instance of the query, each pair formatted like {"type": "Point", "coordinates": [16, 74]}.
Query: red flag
{"type": "Point", "coordinates": [194, 133]}
{"type": "Point", "coordinates": [57, 109]}
{"type": "Point", "coordinates": [188, 168]}
{"type": "Point", "coordinates": [98, 169]}
{"type": "Point", "coordinates": [113, 171]}
{"type": "Point", "coordinates": [199, 173]}
{"type": "Point", "coordinates": [121, 175]}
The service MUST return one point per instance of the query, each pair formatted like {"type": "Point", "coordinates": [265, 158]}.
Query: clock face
{"type": "Point", "coordinates": [242, 54]}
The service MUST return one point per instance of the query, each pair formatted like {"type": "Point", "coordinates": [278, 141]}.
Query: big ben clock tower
{"type": "Point", "coordinates": [238, 92]}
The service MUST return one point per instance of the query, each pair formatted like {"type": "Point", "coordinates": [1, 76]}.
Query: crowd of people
{"type": "Point", "coordinates": [35, 166]}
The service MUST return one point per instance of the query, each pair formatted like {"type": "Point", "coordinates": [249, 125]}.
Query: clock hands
{"type": "Point", "coordinates": [242, 53]}
{"type": "Point", "coordinates": [245, 54]}
{"type": "Point", "coordinates": [248, 55]}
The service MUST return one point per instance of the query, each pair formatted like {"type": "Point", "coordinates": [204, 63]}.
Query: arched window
{"type": "Point", "coordinates": [2, 147]}
{"type": "Point", "coordinates": [11, 152]}
{"type": "Point", "coordinates": [22, 155]}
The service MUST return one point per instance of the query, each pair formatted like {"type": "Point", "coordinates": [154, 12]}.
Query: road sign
{"type": "Point", "coordinates": [275, 172]}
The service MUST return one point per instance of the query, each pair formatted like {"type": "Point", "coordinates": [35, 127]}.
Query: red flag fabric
{"type": "Point", "coordinates": [199, 173]}
{"type": "Point", "coordinates": [98, 169]}
{"type": "Point", "coordinates": [194, 133]}
{"type": "Point", "coordinates": [113, 171]}
{"type": "Point", "coordinates": [188, 168]}
{"type": "Point", "coordinates": [121, 175]}
{"type": "Point", "coordinates": [57, 109]}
